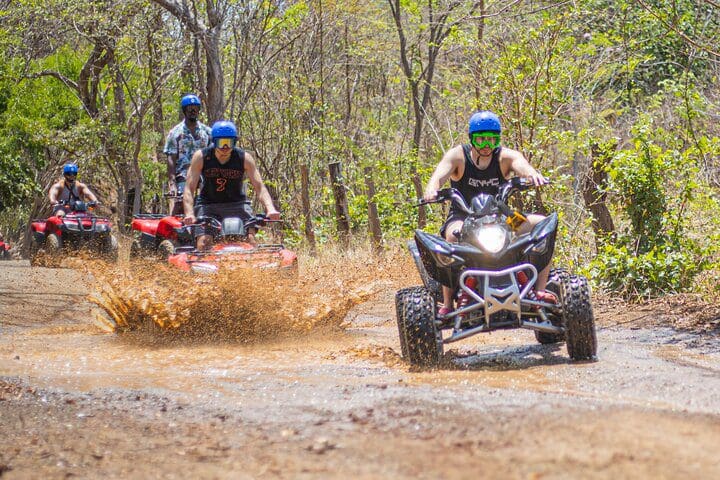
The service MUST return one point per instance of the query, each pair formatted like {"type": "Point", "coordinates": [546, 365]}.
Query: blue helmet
{"type": "Point", "coordinates": [70, 169]}
{"type": "Point", "coordinates": [224, 129]}
{"type": "Point", "coordinates": [188, 100]}
{"type": "Point", "coordinates": [484, 121]}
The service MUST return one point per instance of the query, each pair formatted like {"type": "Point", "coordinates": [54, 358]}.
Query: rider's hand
{"type": "Point", "coordinates": [189, 219]}
{"type": "Point", "coordinates": [537, 179]}
{"type": "Point", "coordinates": [430, 196]}
{"type": "Point", "coordinates": [273, 215]}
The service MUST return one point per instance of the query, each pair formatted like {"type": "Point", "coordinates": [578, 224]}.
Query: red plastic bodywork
{"type": "Point", "coordinates": [52, 224]}
{"type": "Point", "coordinates": [163, 228]}
{"type": "Point", "coordinates": [238, 255]}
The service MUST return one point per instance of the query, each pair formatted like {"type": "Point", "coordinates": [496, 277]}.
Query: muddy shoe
{"type": "Point", "coordinates": [545, 296]}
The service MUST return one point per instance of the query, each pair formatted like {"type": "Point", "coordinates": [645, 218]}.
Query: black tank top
{"type": "Point", "coordinates": [222, 183]}
{"type": "Point", "coordinates": [475, 181]}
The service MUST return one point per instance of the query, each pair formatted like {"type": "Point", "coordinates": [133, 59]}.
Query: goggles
{"type": "Point", "coordinates": [224, 143]}
{"type": "Point", "coordinates": [485, 139]}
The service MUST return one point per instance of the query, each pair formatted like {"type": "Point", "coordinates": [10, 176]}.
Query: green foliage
{"type": "Point", "coordinates": [654, 185]}
{"type": "Point", "coordinates": [660, 270]}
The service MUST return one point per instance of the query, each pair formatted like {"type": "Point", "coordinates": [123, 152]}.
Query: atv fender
{"type": "Point", "coordinates": [431, 284]}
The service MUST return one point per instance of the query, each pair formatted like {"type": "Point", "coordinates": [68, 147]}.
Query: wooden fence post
{"type": "Point", "coordinates": [305, 194]}
{"type": "Point", "coordinates": [341, 208]}
{"type": "Point", "coordinates": [373, 217]}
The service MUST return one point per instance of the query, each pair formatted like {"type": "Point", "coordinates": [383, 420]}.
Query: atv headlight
{"type": "Point", "coordinates": [492, 238]}
{"type": "Point", "coordinates": [202, 267]}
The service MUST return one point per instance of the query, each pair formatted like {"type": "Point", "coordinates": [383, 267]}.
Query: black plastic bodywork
{"type": "Point", "coordinates": [444, 261]}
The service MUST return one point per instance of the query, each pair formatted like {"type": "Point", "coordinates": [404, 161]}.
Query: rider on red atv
{"type": "Point", "coordinates": [68, 190]}
{"type": "Point", "coordinates": [222, 167]}
{"type": "Point", "coordinates": [182, 142]}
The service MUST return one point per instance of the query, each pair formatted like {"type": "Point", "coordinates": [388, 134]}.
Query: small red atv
{"type": "Point", "coordinates": [4, 250]}
{"type": "Point", "coordinates": [78, 228]}
{"type": "Point", "coordinates": [232, 250]}
{"type": "Point", "coordinates": [158, 234]}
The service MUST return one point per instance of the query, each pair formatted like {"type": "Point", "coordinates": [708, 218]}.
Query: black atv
{"type": "Point", "coordinates": [492, 271]}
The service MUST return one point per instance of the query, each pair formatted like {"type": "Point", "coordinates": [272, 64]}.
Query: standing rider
{"type": "Point", "coordinates": [222, 167]}
{"type": "Point", "coordinates": [183, 140]}
{"type": "Point", "coordinates": [480, 167]}
{"type": "Point", "coordinates": [67, 190]}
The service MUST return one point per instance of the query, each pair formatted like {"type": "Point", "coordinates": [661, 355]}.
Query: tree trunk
{"type": "Point", "coordinates": [595, 197]}
{"type": "Point", "coordinates": [341, 208]}
{"type": "Point", "coordinates": [305, 194]}
{"type": "Point", "coordinates": [373, 217]}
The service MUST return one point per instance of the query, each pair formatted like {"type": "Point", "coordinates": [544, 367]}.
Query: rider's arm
{"type": "Point", "coordinates": [259, 186]}
{"type": "Point", "coordinates": [171, 150]}
{"type": "Point", "coordinates": [171, 162]}
{"type": "Point", "coordinates": [520, 165]}
{"type": "Point", "coordinates": [193, 177]}
{"type": "Point", "coordinates": [53, 193]}
{"type": "Point", "coordinates": [443, 171]}
{"type": "Point", "coordinates": [87, 194]}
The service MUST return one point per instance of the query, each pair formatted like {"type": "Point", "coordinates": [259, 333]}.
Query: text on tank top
{"type": "Point", "coordinates": [222, 183]}
{"type": "Point", "coordinates": [476, 180]}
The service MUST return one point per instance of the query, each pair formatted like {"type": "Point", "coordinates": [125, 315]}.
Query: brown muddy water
{"type": "Point", "coordinates": [259, 377]}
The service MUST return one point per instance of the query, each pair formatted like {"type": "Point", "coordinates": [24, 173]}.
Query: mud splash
{"type": "Point", "coordinates": [242, 304]}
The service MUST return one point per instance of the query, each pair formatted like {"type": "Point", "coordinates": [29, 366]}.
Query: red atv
{"type": "Point", "coordinates": [159, 234]}
{"type": "Point", "coordinates": [76, 229]}
{"type": "Point", "coordinates": [232, 250]}
{"type": "Point", "coordinates": [4, 250]}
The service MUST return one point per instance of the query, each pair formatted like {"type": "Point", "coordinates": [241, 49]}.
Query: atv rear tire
{"type": "Point", "coordinates": [165, 249]}
{"type": "Point", "coordinates": [555, 282]}
{"type": "Point", "coordinates": [580, 335]}
{"type": "Point", "coordinates": [416, 324]}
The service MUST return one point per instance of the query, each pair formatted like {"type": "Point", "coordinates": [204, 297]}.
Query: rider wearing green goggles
{"type": "Point", "coordinates": [485, 139]}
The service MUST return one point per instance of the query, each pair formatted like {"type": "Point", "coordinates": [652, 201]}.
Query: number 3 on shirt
{"type": "Point", "coordinates": [220, 184]}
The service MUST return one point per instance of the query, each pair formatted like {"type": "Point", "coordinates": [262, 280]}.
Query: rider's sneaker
{"type": "Point", "coordinates": [545, 296]}
{"type": "Point", "coordinates": [444, 310]}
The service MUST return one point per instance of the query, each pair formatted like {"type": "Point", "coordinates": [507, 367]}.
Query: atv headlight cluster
{"type": "Point", "coordinates": [492, 238]}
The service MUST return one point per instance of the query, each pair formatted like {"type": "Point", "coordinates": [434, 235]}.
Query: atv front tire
{"type": "Point", "coordinates": [400, 300]}
{"type": "Point", "coordinates": [135, 249]}
{"type": "Point", "coordinates": [165, 249]}
{"type": "Point", "coordinates": [110, 249]}
{"type": "Point", "coordinates": [580, 335]}
{"type": "Point", "coordinates": [416, 324]}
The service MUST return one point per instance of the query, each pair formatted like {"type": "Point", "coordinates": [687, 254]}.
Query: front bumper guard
{"type": "Point", "coordinates": [511, 298]}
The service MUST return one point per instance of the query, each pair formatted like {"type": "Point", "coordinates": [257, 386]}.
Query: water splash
{"type": "Point", "coordinates": [243, 304]}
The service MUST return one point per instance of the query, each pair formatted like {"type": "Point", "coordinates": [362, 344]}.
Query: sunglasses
{"type": "Point", "coordinates": [70, 175]}
{"type": "Point", "coordinates": [224, 143]}
{"type": "Point", "coordinates": [485, 139]}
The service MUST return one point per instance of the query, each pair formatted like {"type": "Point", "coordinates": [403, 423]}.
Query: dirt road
{"type": "Point", "coordinates": [76, 401]}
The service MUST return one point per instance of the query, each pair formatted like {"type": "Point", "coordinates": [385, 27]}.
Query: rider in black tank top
{"type": "Point", "coordinates": [222, 183]}
{"type": "Point", "coordinates": [475, 180]}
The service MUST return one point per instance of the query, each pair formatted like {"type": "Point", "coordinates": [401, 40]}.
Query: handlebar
{"type": "Point", "coordinates": [505, 190]}
{"type": "Point", "coordinates": [259, 219]}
